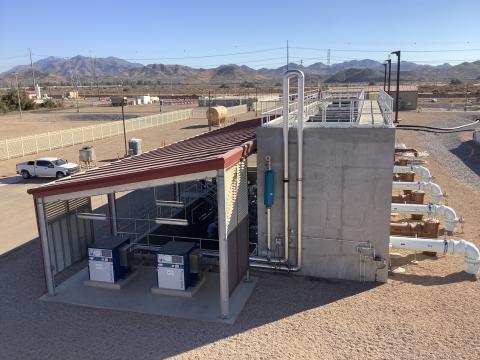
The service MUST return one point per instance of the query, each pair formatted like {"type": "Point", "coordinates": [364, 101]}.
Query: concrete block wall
{"type": "Point", "coordinates": [347, 191]}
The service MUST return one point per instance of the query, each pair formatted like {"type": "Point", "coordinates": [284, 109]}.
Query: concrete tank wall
{"type": "Point", "coordinates": [347, 195]}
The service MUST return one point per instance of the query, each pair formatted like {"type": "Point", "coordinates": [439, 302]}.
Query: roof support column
{"type": "Point", "coordinates": [42, 231]}
{"type": "Point", "coordinates": [112, 209]}
{"type": "Point", "coordinates": [223, 245]}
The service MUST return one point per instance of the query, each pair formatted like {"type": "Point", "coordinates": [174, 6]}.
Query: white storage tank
{"type": "Point", "coordinates": [87, 154]}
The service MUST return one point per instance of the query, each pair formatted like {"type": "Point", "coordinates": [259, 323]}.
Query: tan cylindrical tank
{"type": "Point", "coordinates": [217, 115]}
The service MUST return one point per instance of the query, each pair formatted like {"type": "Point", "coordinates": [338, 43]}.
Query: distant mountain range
{"type": "Point", "coordinates": [54, 70]}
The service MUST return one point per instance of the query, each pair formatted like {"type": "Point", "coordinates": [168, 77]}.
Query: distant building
{"type": "Point", "coordinates": [407, 99]}
{"type": "Point", "coordinates": [144, 99]}
{"type": "Point", "coordinates": [119, 100]}
{"type": "Point", "coordinates": [71, 94]}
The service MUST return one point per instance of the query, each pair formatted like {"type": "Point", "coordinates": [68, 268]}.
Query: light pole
{"type": "Point", "coordinates": [398, 84]}
{"type": "Point", "coordinates": [385, 76]}
{"type": "Point", "coordinates": [389, 62]}
{"type": "Point", "coordinates": [18, 95]}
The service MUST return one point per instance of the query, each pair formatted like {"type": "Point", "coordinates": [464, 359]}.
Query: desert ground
{"type": "Point", "coordinates": [91, 112]}
{"type": "Point", "coordinates": [431, 311]}
{"type": "Point", "coordinates": [16, 205]}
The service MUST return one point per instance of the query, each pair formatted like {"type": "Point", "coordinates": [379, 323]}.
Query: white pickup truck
{"type": "Point", "coordinates": [47, 167]}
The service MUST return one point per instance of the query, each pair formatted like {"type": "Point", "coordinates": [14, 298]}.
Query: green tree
{"type": "Point", "coordinates": [455, 82]}
{"type": "Point", "coordinates": [49, 104]}
{"type": "Point", "coordinates": [3, 107]}
{"type": "Point", "coordinates": [10, 99]}
{"type": "Point", "coordinates": [247, 84]}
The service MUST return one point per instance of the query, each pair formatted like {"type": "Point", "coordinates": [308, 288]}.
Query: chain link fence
{"type": "Point", "coordinates": [27, 145]}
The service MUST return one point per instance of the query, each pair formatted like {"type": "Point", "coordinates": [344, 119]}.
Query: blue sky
{"type": "Point", "coordinates": [186, 32]}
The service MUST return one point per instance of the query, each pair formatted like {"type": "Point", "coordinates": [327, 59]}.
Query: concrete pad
{"type": "Point", "coordinates": [112, 286]}
{"type": "Point", "coordinates": [189, 293]}
{"type": "Point", "coordinates": [137, 296]}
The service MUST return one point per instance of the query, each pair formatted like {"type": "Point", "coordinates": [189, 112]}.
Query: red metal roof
{"type": "Point", "coordinates": [218, 149]}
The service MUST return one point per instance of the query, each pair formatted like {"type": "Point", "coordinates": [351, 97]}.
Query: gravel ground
{"type": "Point", "coordinates": [431, 311]}
{"type": "Point", "coordinates": [414, 316]}
{"type": "Point", "coordinates": [460, 155]}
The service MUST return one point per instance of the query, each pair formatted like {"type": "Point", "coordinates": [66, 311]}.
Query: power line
{"type": "Point", "coordinates": [383, 51]}
{"type": "Point", "coordinates": [193, 57]}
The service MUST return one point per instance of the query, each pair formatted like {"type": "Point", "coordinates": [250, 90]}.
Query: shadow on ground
{"type": "Point", "coordinates": [56, 330]}
{"type": "Point", "coordinates": [469, 153]}
{"type": "Point", "coordinates": [429, 280]}
{"type": "Point", "coordinates": [18, 180]}
{"type": "Point", "coordinates": [196, 126]}
{"type": "Point", "coordinates": [425, 280]}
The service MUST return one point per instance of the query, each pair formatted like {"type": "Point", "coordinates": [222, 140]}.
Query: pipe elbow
{"type": "Point", "coordinates": [436, 192]}
{"type": "Point", "coordinates": [423, 172]}
{"type": "Point", "coordinates": [449, 215]}
{"type": "Point", "coordinates": [471, 257]}
{"type": "Point", "coordinates": [293, 72]}
{"type": "Point", "coordinates": [447, 212]}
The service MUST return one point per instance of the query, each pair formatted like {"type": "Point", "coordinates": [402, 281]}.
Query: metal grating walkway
{"type": "Point", "coordinates": [371, 113]}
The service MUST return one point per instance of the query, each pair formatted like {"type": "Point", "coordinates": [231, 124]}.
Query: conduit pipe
{"type": "Point", "coordinates": [421, 171]}
{"type": "Point", "coordinates": [286, 178]}
{"type": "Point", "coordinates": [470, 253]}
{"type": "Point", "coordinates": [282, 264]}
{"type": "Point", "coordinates": [449, 215]}
{"type": "Point", "coordinates": [432, 188]}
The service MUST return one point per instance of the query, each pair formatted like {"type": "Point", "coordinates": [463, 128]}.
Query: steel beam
{"type": "Point", "coordinates": [42, 231]}
{"type": "Point", "coordinates": [223, 245]}
{"type": "Point", "coordinates": [112, 209]}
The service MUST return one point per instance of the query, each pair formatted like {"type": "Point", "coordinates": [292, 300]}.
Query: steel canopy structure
{"type": "Point", "coordinates": [220, 153]}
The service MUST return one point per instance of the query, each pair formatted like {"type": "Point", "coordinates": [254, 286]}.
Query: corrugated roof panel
{"type": "Point", "coordinates": [218, 149]}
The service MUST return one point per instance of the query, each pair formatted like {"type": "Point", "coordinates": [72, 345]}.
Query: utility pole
{"type": "Point", "coordinates": [466, 97]}
{"type": "Point", "coordinates": [95, 76]}
{"type": "Point", "coordinates": [208, 119]}
{"type": "Point", "coordinates": [31, 67]}
{"type": "Point", "coordinates": [288, 55]}
{"type": "Point", "coordinates": [328, 60]}
{"type": "Point", "coordinates": [256, 101]}
{"type": "Point", "coordinates": [385, 76]}
{"type": "Point", "coordinates": [389, 61]}
{"type": "Point", "coordinates": [124, 129]}
{"type": "Point", "coordinates": [398, 85]}
{"type": "Point", "coordinates": [78, 94]}
{"type": "Point", "coordinates": [18, 95]}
